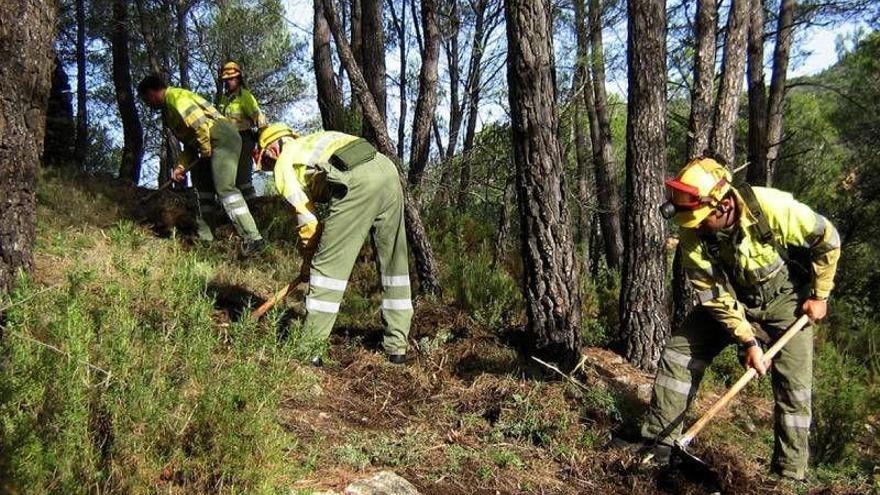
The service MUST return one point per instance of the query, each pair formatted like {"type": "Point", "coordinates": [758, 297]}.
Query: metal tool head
{"type": "Point", "coordinates": [692, 466]}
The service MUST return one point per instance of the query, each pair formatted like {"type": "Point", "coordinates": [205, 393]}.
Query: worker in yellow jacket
{"type": "Point", "coordinates": [737, 247]}
{"type": "Point", "coordinates": [238, 104]}
{"type": "Point", "coordinates": [365, 199]}
{"type": "Point", "coordinates": [211, 147]}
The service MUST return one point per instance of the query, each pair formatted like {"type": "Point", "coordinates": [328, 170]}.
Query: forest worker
{"type": "Point", "coordinates": [365, 198]}
{"type": "Point", "coordinates": [238, 105]}
{"type": "Point", "coordinates": [735, 245]}
{"type": "Point", "coordinates": [211, 147]}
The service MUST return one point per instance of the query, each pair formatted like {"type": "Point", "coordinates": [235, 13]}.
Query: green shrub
{"type": "Point", "coordinates": [599, 305]}
{"type": "Point", "coordinates": [490, 295]}
{"type": "Point", "coordinates": [840, 405]}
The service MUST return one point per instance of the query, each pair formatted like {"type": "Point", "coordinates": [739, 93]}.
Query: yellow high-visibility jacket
{"type": "Point", "coordinates": [190, 117]}
{"type": "Point", "coordinates": [298, 179]}
{"type": "Point", "coordinates": [754, 262]}
{"type": "Point", "coordinates": [242, 109]}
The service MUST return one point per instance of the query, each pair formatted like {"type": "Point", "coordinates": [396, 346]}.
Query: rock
{"type": "Point", "coordinates": [382, 483]}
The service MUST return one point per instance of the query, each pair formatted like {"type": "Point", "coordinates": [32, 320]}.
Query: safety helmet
{"type": "Point", "coordinates": [269, 135]}
{"type": "Point", "coordinates": [230, 70]}
{"type": "Point", "coordinates": [696, 191]}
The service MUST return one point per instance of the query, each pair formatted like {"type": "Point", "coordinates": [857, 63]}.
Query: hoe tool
{"type": "Point", "coordinates": [278, 296]}
{"type": "Point", "coordinates": [679, 449]}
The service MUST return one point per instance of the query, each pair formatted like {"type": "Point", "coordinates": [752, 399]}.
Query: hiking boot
{"type": "Point", "coordinates": [657, 455]}
{"type": "Point", "coordinates": [253, 248]}
{"type": "Point", "coordinates": [397, 358]}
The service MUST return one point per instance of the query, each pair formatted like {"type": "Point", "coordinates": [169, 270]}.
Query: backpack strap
{"type": "Point", "coordinates": [763, 226]}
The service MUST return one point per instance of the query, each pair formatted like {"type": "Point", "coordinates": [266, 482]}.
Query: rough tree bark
{"type": "Point", "coordinates": [776, 98]}
{"type": "Point", "coordinates": [373, 60]}
{"type": "Point", "coordinates": [603, 153]}
{"type": "Point", "coordinates": [60, 122]}
{"type": "Point", "coordinates": [550, 283]}
{"type": "Point", "coordinates": [757, 170]}
{"type": "Point", "coordinates": [699, 127]}
{"type": "Point", "coordinates": [700, 121]}
{"type": "Point", "coordinates": [26, 64]}
{"type": "Point", "coordinates": [643, 317]}
{"type": "Point", "coordinates": [722, 139]}
{"type": "Point", "coordinates": [427, 99]}
{"type": "Point", "coordinates": [181, 11]}
{"type": "Point", "coordinates": [423, 254]}
{"type": "Point", "coordinates": [132, 132]}
{"type": "Point", "coordinates": [82, 115]}
{"type": "Point", "coordinates": [329, 93]}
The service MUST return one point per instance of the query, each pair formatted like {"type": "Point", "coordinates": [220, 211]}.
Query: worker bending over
{"type": "Point", "coordinates": [211, 148]}
{"type": "Point", "coordinates": [365, 199]}
{"type": "Point", "coordinates": [735, 245]}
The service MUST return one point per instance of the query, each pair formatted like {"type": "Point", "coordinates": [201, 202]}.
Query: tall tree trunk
{"type": "Point", "coordinates": [757, 170]}
{"type": "Point", "coordinates": [373, 60]}
{"type": "Point", "coordinates": [427, 99]}
{"type": "Point", "coordinates": [82, 116]}
{"type": "Point", "coordinates": [423, 254]}
{"type": "Point", "coordinates": [60, 121]}
{"type": "Point", "coordinates": [180, 38]}
{"type": "Point", "coordinates": [329, 93]}
{"type": "Point", "coordinates": [604, 153]}
{"type": "Point", "coordinates": [781, 54]}
{"type": "Point", "coordinates": [472, 97]}
{"type": "Point", "coordinates": [132, 132]}
{"type": "Point", "coordinates": [550, 284]}
{"type": "Point", "coordinates": [583, 107]}
{"type": "Point", "coordinates": [699, 127]}
{"type": "Point", "coordinates": [643, 316]}
{"type": "Point", "coordinates": [400, 31]}
{"type": "Point", "coordinates": [456, 112]}
{"type": "Point", "coordinates": [700, 122]}
{"type": "Point", "coordinates": [722, 140]}
{"type": "Point", "coordinates": [26, 65]}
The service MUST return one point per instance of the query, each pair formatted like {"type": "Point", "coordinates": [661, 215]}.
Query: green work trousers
{"type": "Point", "coordinates": [692, 347]}
{"type": "Point", "coordinates": [217, 176]}
{"type": "Point", "coordinates": [366, 201]}
{"type": "Point", "coordinates": [244, 176]}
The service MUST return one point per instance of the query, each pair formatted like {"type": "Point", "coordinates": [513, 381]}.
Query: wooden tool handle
{"type": "Point", "coordinates": [278, 296]}
{"type": "Point", "coordinates": [689, 435]}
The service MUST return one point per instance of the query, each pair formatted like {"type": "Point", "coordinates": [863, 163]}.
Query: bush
{"type": "Point", "coordinates": [840, 405]}
{"type": "Point", "coordinates": [599, 305]}
{"type": "Point", "coordinates": [490, 295]}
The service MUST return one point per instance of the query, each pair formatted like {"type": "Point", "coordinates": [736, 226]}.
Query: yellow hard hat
{"type": "Point", "coordinates": [230, 70]}
{"type": "Point", "coordinates": [697, 190]}
{"type": "Point", "coordinates": [269, 135]}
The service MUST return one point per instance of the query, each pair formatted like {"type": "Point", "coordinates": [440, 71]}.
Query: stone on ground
{"type": "Point", "coordinates": [382, 483]}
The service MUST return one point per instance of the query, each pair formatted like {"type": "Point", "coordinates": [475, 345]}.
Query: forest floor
{"type": "Point", "coordinates": [467, 414]}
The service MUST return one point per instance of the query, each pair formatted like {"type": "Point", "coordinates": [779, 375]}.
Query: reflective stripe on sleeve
{"type": "Point", "coordinates": [397, 304]}
{"type": "Point", "coordinates": [321, 306]}
{"type": "Point", "coordinates": [829, 245]}
{"type": "Point", "coordinates": [396, 281]}
{"type": "Point", "coordinates": [297, 197]}
{"type": "Point", "coordinates": [670, 383]}
{"type": "Point", "coordinates": [710, 294]}
{"type": "Point", "coordinates": [305, 219]}
{"type": "Point", "coordinates": [328, 283]}
{"type": "Point", "coordinates": [796, 420]}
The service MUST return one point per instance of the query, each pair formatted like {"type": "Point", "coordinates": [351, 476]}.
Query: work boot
{"type": "Point", "coordinates": [657, 455]}
{"type": "Point", "coordinates": [397, 358]}
{"type": "Point", "coordinates": [317, 362]}
{"type": "Point", "coordinates": [252, 248]}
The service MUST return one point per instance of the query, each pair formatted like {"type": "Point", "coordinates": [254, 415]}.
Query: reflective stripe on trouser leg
{"type": "Point", "coordinates": [344, 231]}
{"type": "Point", "coordinates": [679, 373]}
{"type": "Point", "coordinates": [226, 147]}
{"type": "Point", "coordinates": [792, 382]}
{"type": "Point", "coordinates": [389, 239]}
{"type": "Point", "coordinates": [245, 170]}
{"type": "Point", "coordinates": [206, 208]}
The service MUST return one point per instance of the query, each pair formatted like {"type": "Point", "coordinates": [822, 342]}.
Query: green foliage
{"type": "Point", "coordinates": [840, 405]}
{"type": "Point", "coordinates": [599, 308]}
{"type": "Point", "coordinates": [141, 386]}
{"type": "Point", "coordinates": [536, 417]}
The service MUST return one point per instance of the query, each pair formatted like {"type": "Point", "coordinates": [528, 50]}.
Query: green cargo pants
{"type": "Point", "coordinates": [692, 347]}
{"type": "Point", "coordinates": [370, 203]}
{"type": "Point", "coordinates": [244, 176]}
{"type": "Point", "coordinates": [218, 177]}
